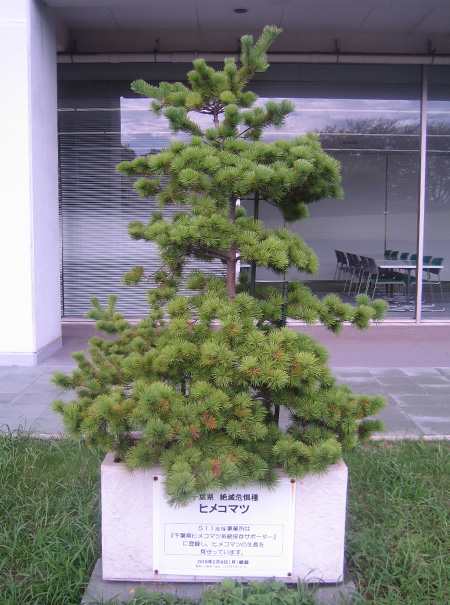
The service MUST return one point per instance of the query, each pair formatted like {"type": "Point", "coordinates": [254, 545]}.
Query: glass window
{"type": "Point", "coordinates": [367, 117]}
{"type": "Point", "coordinates": [437, 199]}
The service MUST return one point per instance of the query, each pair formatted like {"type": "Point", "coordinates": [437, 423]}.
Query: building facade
{"type": "Point", "coordinates": [372, 78]}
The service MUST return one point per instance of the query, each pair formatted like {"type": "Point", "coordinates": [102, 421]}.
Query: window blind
{"type": "Point", "coordinates": [96, 204]}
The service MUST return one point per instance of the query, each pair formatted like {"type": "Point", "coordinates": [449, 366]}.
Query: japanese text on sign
{"type": "Point", "coordinates": [248, 530]}
{"type": "Point", "coordinates": [217, 540]}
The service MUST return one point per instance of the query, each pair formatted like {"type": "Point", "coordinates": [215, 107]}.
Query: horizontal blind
{"type": "Point", "coordinates": [96, 204]}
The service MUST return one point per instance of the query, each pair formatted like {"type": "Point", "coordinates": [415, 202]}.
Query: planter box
{"type": "Point", "coordinates": [293, 532]}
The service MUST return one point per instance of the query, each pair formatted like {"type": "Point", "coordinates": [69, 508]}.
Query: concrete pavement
{"type": "Point", "coordinates": [409, 365]}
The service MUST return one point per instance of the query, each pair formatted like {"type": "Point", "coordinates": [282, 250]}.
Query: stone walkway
{"type": "Point", "coordinates": [409, 365]}
{"type": "Point", "coordinates": [418, 398]}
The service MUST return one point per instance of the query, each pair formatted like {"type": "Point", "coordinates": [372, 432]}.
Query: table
{"type": "Point", "coordinates": [405, 265]}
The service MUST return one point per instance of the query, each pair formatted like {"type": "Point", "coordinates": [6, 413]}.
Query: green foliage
{"type": "Point", "coordinates": [145, 596]}
{"type": "Point", "coordinates": [49, 519]}
{"type": "Point", "coordinates": [269, 592]}
{"type": "Point", "coordinates": [230, 592]}
{"type": "Point", "coordinates": [225, 162]}
{"type": "Point", "coordinates": [397, 526]}
{"type": "Point", "coordinates": [199, 393]}
{"type": "Point", "coordinates": [397, 538]}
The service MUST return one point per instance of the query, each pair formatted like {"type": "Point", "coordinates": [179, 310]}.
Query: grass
{"type": "Point", "coordinates": [398, 522]}
{"type": "Point", "coordinates": [232, 592]}
{"type": "Point", "coordinates": [49, 520]}
{"type": "Point", "coordinates": [398, 535]}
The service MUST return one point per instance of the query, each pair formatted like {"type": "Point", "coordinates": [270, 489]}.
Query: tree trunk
{"type": "Point", "coordinates": [231, 278]}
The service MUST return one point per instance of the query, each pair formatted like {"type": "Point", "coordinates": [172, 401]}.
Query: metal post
{"type": "Point", "coordinates": [386, 203]}
{"type": "Point", "coordinates": [285, 300]}
{"type": "Point", "coordinates": [253, 265]}
{"type": "Point", "coordinates": [283, 324]}
{"type": "Point", "coordinates": [421, 218]}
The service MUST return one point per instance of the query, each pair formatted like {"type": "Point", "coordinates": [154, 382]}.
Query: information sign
{"type": "Point", "coordinates": [241, 532]}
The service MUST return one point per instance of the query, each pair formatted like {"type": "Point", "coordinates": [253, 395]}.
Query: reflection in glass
{"type": "Point", "coordinates": [143, 132]}
{"type": "Point", "coordinates": [377, 142]}
{"type": "Point", "coordinates": [437, 201]}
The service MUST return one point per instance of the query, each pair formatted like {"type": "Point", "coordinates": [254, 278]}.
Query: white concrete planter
{"type": "Point", "coordinates": [142, 539]}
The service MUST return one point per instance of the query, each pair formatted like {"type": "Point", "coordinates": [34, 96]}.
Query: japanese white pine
{"type": "Point", "coordinates": [195, 385]}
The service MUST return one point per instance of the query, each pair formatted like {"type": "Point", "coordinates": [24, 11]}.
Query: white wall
{"type": "Point", "coordinates": [29, 244]}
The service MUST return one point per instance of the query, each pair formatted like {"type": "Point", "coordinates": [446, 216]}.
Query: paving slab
{"type": "Point", "coordinates": [423, 372]}
{"type": "Point", "coordinates": [418, 401]}
{"type": "Point", "coordinates": [42, 385]}
{"type": "Point", "coordinates": [353, 373]}
{"type": "Point", "coordinates": [28, 371]}
{"type": "Point", "coordinates": [404, 388]}
{"type": "Point", "coordinates": [439, 399]}
{"type": "Point", "coordinates": [48, 426]}
{"type": "Point", "coordinates": [432, 425]}
{"type": "Point", "coordinates": [438, 378]}
{"type": "Point", "coordinates": [419, 392]}
{"type": "Point", "coordinates": [7, 397]}
{"type": "Point", "coordinates": [67, 396]}
{"type": "Point", "coordinates": [436, 390]}
{"type": "Point", "coordinates": [397, 422]}
{"type": "Point", "coordinates": [43, 397]}
{"type": "Point", "coordinates": [387, 380]}
{"type": "Point", "coordinates": [13, 386]}
{"type": "Point", "coordinates": [31, 412]}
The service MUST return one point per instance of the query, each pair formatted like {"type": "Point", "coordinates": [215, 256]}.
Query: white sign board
{"type": "Point", "coordinates": [241, 532]}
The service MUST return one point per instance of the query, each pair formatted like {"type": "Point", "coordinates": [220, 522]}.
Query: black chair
{"type": "Point", "coordinates": [433, 280]}
{"type": "Point", "coordinates": [396, 287]}
{"type": "Point", "coordinates": [341, 264]}
{"type": "Point", "coordinates": [364, 274]}
{"type": "Point", "coordinates": [354, 271]}
{"type": "Point", "coordinates": [426, 259]}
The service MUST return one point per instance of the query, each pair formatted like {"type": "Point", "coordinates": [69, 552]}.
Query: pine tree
{"type": "Point", "coordinates": [196, 384]}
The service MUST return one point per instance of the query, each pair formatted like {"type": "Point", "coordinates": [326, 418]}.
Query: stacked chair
{"type": "Point", "coordinates": [393, 283]}
{"type": "Point", "coordinates": [361, 274]}
{"type": "Point", "coordinates": [354, 272]}
{"type": "Point", "coordinates": [341, 264]}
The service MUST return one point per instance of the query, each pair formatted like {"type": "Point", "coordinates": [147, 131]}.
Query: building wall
{"type": "Point", "coordinates": [368, 117]}
{"type": "Point", "coordinates": [29, 247]}
{"type": "Point", "coordinates": [44, 175]}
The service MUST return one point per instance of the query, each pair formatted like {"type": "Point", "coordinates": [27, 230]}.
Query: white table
{"type": "Point", "coordinates": [405, 265]}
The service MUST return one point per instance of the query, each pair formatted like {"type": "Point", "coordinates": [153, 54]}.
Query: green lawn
{"type": "Point", "coordinates": [398, 536]}
{"type": "Point", "coordinates": [398, 522]}
{"type": "Point", "coordinates": [49, 520]}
